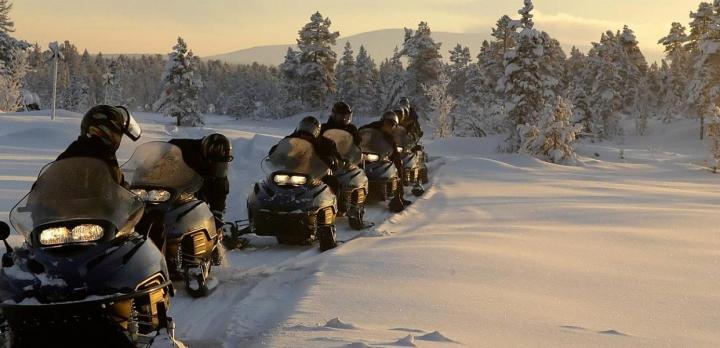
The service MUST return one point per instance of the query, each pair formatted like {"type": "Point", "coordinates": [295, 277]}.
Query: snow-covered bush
{"type": "Point", "coordinates": [554, 139]}
{"type": "Point", "coordinates": [438, 95]}
{"type": "Point", "coordinates": [11, 77]}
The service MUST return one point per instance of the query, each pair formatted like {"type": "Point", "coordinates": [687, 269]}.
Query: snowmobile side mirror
{"type": "Point", "coordinates": [4, 230]}
{"type": "Point", "coordinates": [7, 260]}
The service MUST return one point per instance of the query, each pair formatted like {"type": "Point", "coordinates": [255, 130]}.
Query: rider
{"type": "Point", "coordinates": [209, 157]}
{"type": "Point", "coordinates": [101, 132]}
{"type": "Point", "coordinates": [411, 120]}
{"type": "Point", "coordinates": [386, 125]}
{"type": "Point", "coordinates": [309, 130]}
{"type": "Point", "coordinates": [341, 118]}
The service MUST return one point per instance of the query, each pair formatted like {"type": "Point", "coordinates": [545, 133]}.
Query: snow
{"type": "Point", "coordinates": [503, 250]}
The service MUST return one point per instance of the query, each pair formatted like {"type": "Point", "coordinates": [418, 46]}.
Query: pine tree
{"type": "Point", "coordinates": [677, 79]}
{"type": "Point", "coordinates": [317, 61]}
{"type": "Point", "coordinates": [457, 70]}
{"type": "Point", "coordinates": [181, 87]}
{"type": "Point", "coordinates": [112, 86]}
{"type": "Point", "coordinates": [290, 80]}
{"type": "Point", "coordinates": [552, 67]}
{"type": "Point", "coordinates": [522, 81]}
{"type": "Point", "coordinates": [6, 25]}
{"type": "Point", "coordinates": [553, 139]}
{"type": "Point", "coordinates": [391, 84]}
{"type": "Point", "coordinates": [424, 63]}
{"type": "Point", "coordinates": [705, 85]}
{"type": "Point", "coordinates": [366, 84]}
{"type": "Point", "coordinates": [346, 76]}
{"type": "Point", "coordinates": [11, 81]}
{"type": "Point", "coordinates": [699, 26]}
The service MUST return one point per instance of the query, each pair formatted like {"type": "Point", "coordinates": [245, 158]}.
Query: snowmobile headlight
{"type": "Point", "coordinates": [295, 180]}
{"type": "Point", "coordinates": [158, 196]}
{"type": "Point", "coordinates": [186, 197]}
{"type": "Point", "coordinates": [371, 157]}
{"type": "Point", "coordinates": [79, 234]}
{"type": "Point", "coordinates": [298, 180]}
{"type": "Point", "coordinates": [400, 149]}
{"type": "Point", "coordinates": [140, 193]}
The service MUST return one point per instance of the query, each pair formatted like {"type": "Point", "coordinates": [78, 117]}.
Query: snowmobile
{"type": "Point", "coordinates": [413, 160]}
{"type": "Point", "coordinates": [353, 181]}
{"type": "Point", "coordinates": [292, 203]}
{"type": "Point", "coordinates": [379, 168]}
{"type": "Point", "coordinates": [83, 277]}
{"type": "Point", "coordinates": [180, 224]}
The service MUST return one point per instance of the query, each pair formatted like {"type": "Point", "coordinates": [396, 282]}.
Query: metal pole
{"type": "Point", "coordinates": [54, 94]}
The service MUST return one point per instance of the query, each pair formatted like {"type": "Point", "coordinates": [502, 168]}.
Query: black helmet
{"type": "Point", "coordinates": [404, 101]}
{"type": "Point", "coordinates": [310, 125]}
{"type": "Point", "coordinates": [401, 112]}
{"type": "Point", "coordinates": [217, 148]}
{"type": "Point", "coordinates": [342, 113]}
{"type": "Point", "coordinates": [109, 123]}
{"type": "Point", "coordinates": [391, 116]}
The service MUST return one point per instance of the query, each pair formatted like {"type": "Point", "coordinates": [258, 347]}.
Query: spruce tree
{"type": "Point", "coordinates": [366, 84]}
{"type": "Point", "coordinates": [346, 76]}
{"type": "Point", "coordinates": [317, 61]}
{"type": "Point", "coordinates": [424, 63]}
{"type": "Point", "coordinates": [181, 86]}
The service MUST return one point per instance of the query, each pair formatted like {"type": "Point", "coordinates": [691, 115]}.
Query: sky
{"type": "Point", "coordinates": [218, 26]}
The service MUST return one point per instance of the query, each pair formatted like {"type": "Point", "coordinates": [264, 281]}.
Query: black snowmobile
{"type": "Point", "coordinates": [379, 168]}
{"type": "Point", "coordinates": [413, 160]}
{"type": "Point", "coordinates": [84, 277]}
{"type": "Point", "coordinates": [292, 203]}
{"type": "Point", "coordinates": [353, 181]}
{"type": "Point", "coordinates": [181, 225]}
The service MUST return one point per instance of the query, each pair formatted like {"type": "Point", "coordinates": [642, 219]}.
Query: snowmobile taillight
{"type": "Point", "coordinates": [400, 149]}
{"type": "Point", "coordinates": [152, 196]}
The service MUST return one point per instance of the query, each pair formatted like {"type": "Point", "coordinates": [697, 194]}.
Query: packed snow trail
{"type": "Point", "coordinates": [502, 251]}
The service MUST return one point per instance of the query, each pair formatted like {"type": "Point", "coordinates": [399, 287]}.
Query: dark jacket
{"type": "Point", "coordinates": [215, 189]}
{"type": "Point", "coordinates": [396, 157]}
{"type": "Point", "coordinates": [350, 128]}
{"type": "Point", "coordinates": [93, 147]}
{"type": "Point", "coordinates": [412, 124]}
{"type": "Point", "coordinates": [324, 148]}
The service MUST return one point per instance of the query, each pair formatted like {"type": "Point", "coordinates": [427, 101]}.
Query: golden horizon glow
{"type": "Point", "coordinates": [220, 26]}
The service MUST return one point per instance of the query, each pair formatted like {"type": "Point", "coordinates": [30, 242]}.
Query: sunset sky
{"type": "Point", "coordinates": [219, 26]}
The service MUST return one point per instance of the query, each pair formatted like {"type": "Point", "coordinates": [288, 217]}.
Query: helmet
{"type": "Point", "coordinates": [109, 123]}
{"type": "Point", "coordinates": [401, 112]}
{"type": "Point", "coordinates": [216, 148]}
{"type": "Point", "coordinates": [342, 113]}
{"type": "Point", "coordinates": [391, 116]}
{"type": "Point", "coordinates": [310, 125]}
{"type": "Point", "coordinates": [404, 101]}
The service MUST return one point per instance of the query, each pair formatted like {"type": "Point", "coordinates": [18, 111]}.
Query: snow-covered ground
{"type": "Point", "coordinates": [622, 250]}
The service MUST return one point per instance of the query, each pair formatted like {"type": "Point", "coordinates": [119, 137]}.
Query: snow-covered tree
{"type": "Point", "coordinates": [424, 63]}
{"type": "Point", "coordinates": [705, 85]}
{"type": "Point", "coordinates": [442, 102]}
{"type": "Point", "coordinates": [181, 87]}
{"type": "Point", "coordinates": [391, 84]}
{"type": "Point", "coordinates": [317, 61]}
{"type": "Point", "coordinates": [552, 67]}
{"type": "Point", "coordinates": [11, 78]}
{"type": "Point", "coordinates": [457, 70]}
{"type": "Point", "coordinates": [290, 80]}
{"type": "Point", "coordinates": [346, 76]}
{"type": "Point", "coordinates": [675, 99]}
{"type": "Point", "coordinates": [554, 138]}
{"type": "Point", "coordinates": [112, 86]}
{"type": "Point", "coordinates": [714, 136]}
{"type": "Point", "coordinates": [522, 82]}
{"type": "Point", "coordinates": [699, 26]}
{"type": "Point", "coordinates": [365, 97]}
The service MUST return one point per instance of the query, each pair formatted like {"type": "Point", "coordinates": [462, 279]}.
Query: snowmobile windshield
{"type": "Point", "coordinates": [160, 165]}
{"type": "Point", "coordinates": [75, 189]}
{"type": "Point", "coordinates": [297, 156]}
{"type": "Point", "coordinates": [345, 144]}
{"type": "Point", "coordinates": [402, 138]}
{"type": "Point", "coordinates": [374, 141]}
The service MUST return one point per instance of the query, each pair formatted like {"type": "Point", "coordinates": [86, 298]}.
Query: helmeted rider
{"type": "Point", "coordinates": [386, 125]}
{"type": "Point", "coordinates": [341, 118]}
{"type": "Point", "coordinates": [101, 132]}
{"type": "Point", "coordinates": [309, 130]}
{"type": "Point", "coordinates": [411, 121]}
{"type": "Point", "coordinates": [210, 158]}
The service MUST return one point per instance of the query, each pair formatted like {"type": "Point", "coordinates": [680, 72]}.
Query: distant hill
{"type": "Point", "coordinates": [380, 44]}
